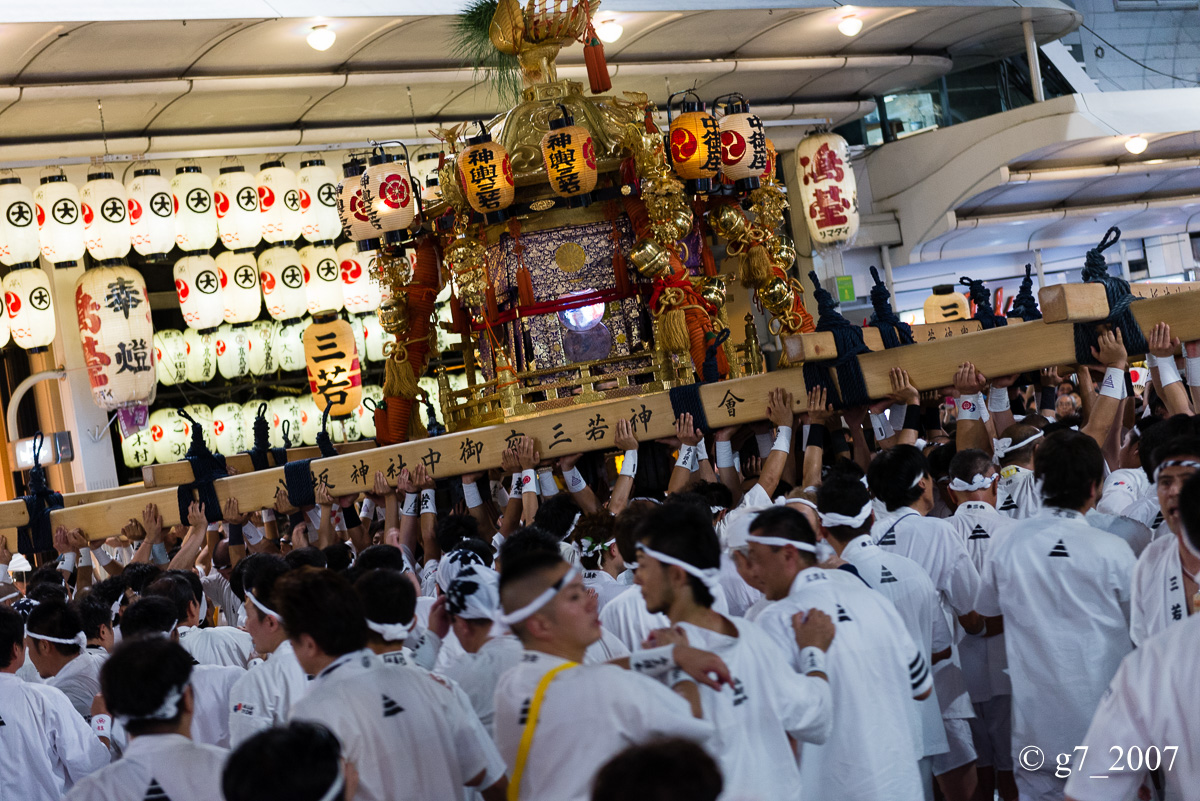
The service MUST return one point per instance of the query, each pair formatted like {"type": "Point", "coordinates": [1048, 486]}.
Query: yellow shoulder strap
{"type": "Point", "coordinates": [531, 719]}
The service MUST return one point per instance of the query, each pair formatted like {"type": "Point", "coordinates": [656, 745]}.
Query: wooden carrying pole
{"type": "Point", "coordinates": [173, 474]}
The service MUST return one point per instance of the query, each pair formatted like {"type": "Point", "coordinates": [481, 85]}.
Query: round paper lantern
{"type": "Point", "coordinates": [19, 241]}
{"type": "Point", "coordinates": [117, 336]}
{"type": "Point", "coordinates": [250, 414]}
{"type": "Point", "coordinates": [241, 299]}
{"type": "Point", "coordinates": [170, 434]}
{"type": "Point", "coordinates": [333, 368]}
{"type": "Point", "coordinates": [279, 202]}
{"type": "Point", "coordinates": [235, 196]}
{"type": "Point", "coordinates": [195, 214]}
{"type": "Point", "coordinates": [29, 301]}
{"type": "Point", "coordinates": [282, 279]}
{"type": "Point", "coordinates": [170, 356]}
{"type": "Point", "coordinates": [570, 158]}
{"type": "Point", "coordinates": [289, 346]}
{"type": "Point", "coordinates": [104, 205]}
{"type": "Point", "coordinates": [356, 326]}
{"type": "Point", "coordinates": [262, 335]}
{"type": "Point", "coordinates": [233, 351]}
{"type": "Point", "coordinates": [322, 277]}
{"type": "Point", "coordinates": [375, 337]}
{"type": "Point", "coordinates": [199, 289]}
{"type": "Point", "coordinates": [310, 419]}
{"type": "Point", "coordinates": [425, 172]}
{"type": "Point", "coordinates": [203, 416]}
{"type": "Point", "coordinates": [284, 410]}
{"type": "Point", "coordinates": [365, 413]}
{"type": "Point", "coordinates": [387, 192]}
{"type": "Point", "coordinates": [344, 429]}
{"type": "Point", "coordinates": [743, 145]}
{"type": "Point", "coordinates": [828, 191]}
{"type": "Point", "coordinates": [486, 174]}
{"type": "Point", "coordinates": [138, 449]}
{"type": "Point", "coordinates": [151, 213]}
{"type": "Point", "coordinates": [352, 212]}
{"type": "Point", "coordinates": [695, 138]}
{"type": "Point", "coordinates": [359, 291]}
{"type": "Point", "coordinates": [229, 429]}
{"type": "Point", "coordinates": [201, 355]}
{"type": "Point", "coordinates": [60, 225]}
{"type": "Point", "coordinates": [318, 201]}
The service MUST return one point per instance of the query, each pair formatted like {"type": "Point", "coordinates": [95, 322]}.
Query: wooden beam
{"type": "Point", "coordinates": [1080, 303]}
{"type": "Point", "coordinates": [14, 513]}
{"type": "Point", "coordinates": [819, 346]}
{"type": "Point", "coordinates": [173, 474]}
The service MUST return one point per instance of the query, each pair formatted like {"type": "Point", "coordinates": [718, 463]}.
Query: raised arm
{"type": "Point", "coordinates": [1107, 403]}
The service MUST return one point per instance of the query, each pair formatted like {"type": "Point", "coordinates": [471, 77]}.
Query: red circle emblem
{"type": "Point", "coordinates": [175, 200]}
{"type": "Point", "coordinates": [156, 433]}
{"type": "Point", "coordinates": [222, 203]}
{"type": "Point", "coordinates": [268, 282]}
{"type": "Point", "coordinates": [306, 276]}
{"type": "Point", "coordinates": [41, 215]}
{"type": "Point", "coordinates": [224, 278]}
{"type": "Point", "coordinates": [351, 271]}
{"type": "Point", "coordinates": [135, 211]}
{"type": "Point", "coordinates": [88, 215]}
{"type": "Point", "coordinates": [220, 347]}
{"type": "Point", "coordinates": [506, 168]}
{"type": "Point", "coordinates": [683, 145]}
{"type": "Point", "coordinates": [275, 421]}
{"type": "Point", "coordinates": [13, 302]}
{"type": "Point", "coordinates": [181, 288]}
{"type": "Point", "coordinates": [733, 147]}
{"type": "Point", "coordinates": [305, 200]}
{"type": "Point", "coordinates": [218, 427]}
{"type": "Point", "coordinates": [266, 198]}
{"type": "Point", "coordinates": [356, 206]}
{"type": "Point", "coordinates": [394, 192]}
{"type": "Point", "coordinates": [589, 153]}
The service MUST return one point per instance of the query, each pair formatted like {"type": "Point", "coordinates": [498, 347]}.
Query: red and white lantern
{"type": "Point", "coordinates": [137, 450]}
{"type": "Point", "coordinates": [828, 191]}
{"type": "Point", "coordinates": [117, 335]}
{"type": "Point", "coordinates": [743, 145]}
{"type": "Point", "coordinates": [365, 414]}
{"type": "Point", "coordinates": [250, 414]}
{"type": "Point", "coordinates": [151, 213]}
{"type": "Point", "coordinates": [195, 214]}
{"type": "Point", "coordinates": [229, 429]}
{"type": "Point", "coordinates": [375, 339]}
{"type": "Point", "coordinates": [241, 299]}
{"type": "Point", "coordinates": [105, 209]}
{"type": "Point", "coordinates": [30, 304]}
{"type": "Point", "coordinates": [170, 357]}
{"type": "Point", "coordinates": [199, 290]}
{"type": "Point", "coordinates": [284, 410]}
{"type": "Point", "coordinates": [279, 203]}
{"type": "Point", "coordinates": [233, 351]}
{"type": "Point", "coordinates": [322, 277]}
{"type": "Point", "coordinates": [60, 224]}
{"type": "Point", "coordinates": [356, 326]}
{"type": "Point", "coordinates": [310, 419]}
{"type": "Point", "coordinates": [282, 278]}
{"type": "Point", "coordinates": [344, 429]}
{"type": "Point", "coordinates": [352, 211]}
{"type": "Point", "coordinates": [387, 191]}
{"type": "Point", "coordinates": [4, 335]}
{"type": "Point", "coordinates": [201, 355]}
{"type": "Point", "coordinates": [170, 435]}
{"type": "Point", "coordinates": [318, 201]}
{"type": "Point", "coordinates": [19, 242]}
{"type": "Point", "coordinates": [235, 195]}
{"type": "Point", "coordinates": [203, 416]}
{"type": "Point", "coordinates": [359, 291]}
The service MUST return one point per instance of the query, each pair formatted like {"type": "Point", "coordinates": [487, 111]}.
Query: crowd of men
{"type": "Point", "coordinates": [846, 605]}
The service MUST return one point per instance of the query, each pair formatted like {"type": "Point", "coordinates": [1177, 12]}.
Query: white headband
{"type": "Point", "coordinates": [547, 595]}
{"type": "Point", "coordinates": [915, 482]}
{"type": "Point", "coordinates": [711, 576]}
{"type": "Point", "coordinates": [980, 482]}
{"type": "Point", "coordinates": [644, 498]}
{"type": "Point", "coordinates": [801, 501]}
{"type": "Point", "coordinates": [266, 610]}
{"type": "Point", "coordinates": [79, 639]}
{"type": "Point", "coordinates": [574, 523]}
{"type": "Point", "coordinates": [593, 547]}
{"type": "Point", "coordinates": [391, 632]}
{"type": "Point", "coordinates": [474, 594]}
{"type": "Point", "coordinates": [1004, 446]}
{"type": "Point", "coordinates": [168, 710]}
{"type": "Point", "coordinates": [832, 519]}
{"type": "Point", "coordinates": [336, 788]}
{"type": "Point", "coordinates": [782, 542]}
{"type": "Point", "coordinates": [1165, 464]}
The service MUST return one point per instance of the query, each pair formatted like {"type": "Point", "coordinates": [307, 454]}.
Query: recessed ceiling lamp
{"type": "Point", "coordinates": [609, 31]}
{"type": "Point", "coordinates": [1136, 144]}
{"type": "Point", "coordinates": [850, 25]}
{"type": "Point", "coordinates": [321, 37]}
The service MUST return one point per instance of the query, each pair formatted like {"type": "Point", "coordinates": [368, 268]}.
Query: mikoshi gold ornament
{"type": "Point", "coordinates": [60, 225]}
{"type": "Point", "coordinates": [695, 144]}
{"type": "Point", "coordinates": [486, 174]}
{"type": "Point", "coordinates": [151, 213]}
{"type": "Point", "coordinates": [30, 304]}
{"type": "Point", "coordinates": [104, 206]}
{"type": "Point", "coordinates": [334, 375]}
{"type": "Point", "coordinates": [235, 195]}
{"type": "Point", "coordinates": [117, 337]}
{"type": "Point", "coordinates": [828, 191]}
{"type": "Point", "coordinates": [569, 155]}
{"type": "Point", "coordinates": [743, 144]}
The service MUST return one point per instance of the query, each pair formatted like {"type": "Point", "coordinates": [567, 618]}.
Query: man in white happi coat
{"type": "Point", "coordinates": [214, 645]}
{"type": "Point", "coordinates": [58, 649]}
{"type": "Point", "coordinates": [1017, 497]}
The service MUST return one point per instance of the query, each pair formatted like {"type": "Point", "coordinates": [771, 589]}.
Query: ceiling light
{"type": "Point", "coordinates": [609, 31]}
{"type": "Point", "coordinates": [850, 26]}
{"type": "Point", "coordinates": [321, 37]}
{"type": "Point", "coordinates": [1136, 144]}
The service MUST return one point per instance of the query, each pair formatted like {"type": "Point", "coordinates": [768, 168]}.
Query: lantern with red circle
{"type": "Point", "coordinates": [60, 224]}
{"type": "Point", "coordinates": [229, 429]}
{"type": "Point", "coordinates": [695, 145]}
{"type": "Point", "coordinates": [201, 355]}
{"type": "Point", "coordinates": [18, 223]}
{"type": "Point", "coordinates": [113, 309]}
{"type": "Point", "coordinates": [202, 414]}
{"type": "Point", "coordinates": [390, 199]}
{"type": "Point", "coordinates": [195, 214]}
{"type": "Point", "coordinates": [233, 350]}
{"type": "Point", "coordinates": [359, 290]}
{"type": "Point", "coordinates": [570, 159]}
{"type": "Point", "coordinates": [279, 203]}
{"type": "Point", "coordinates": [241, 299]}
{"type": "Point", "coordinates": [356, 222]}
{"type": "Point", "coordinates": [137, 450]}
{"type": "Point", "coordinates": [310, 419]}
{"type": "Point", "coordinates": [280, 411]}
{"type": "Point", "coordinates": [30, 304]}
{"type": "Point", "coordinates": [170, 357]}
{"type": "Point", "coordinates": [828, 191]}
{"type": "Point", "coordinates": [198, 287]}
{"type": "Point", "coordinates": [318, 200]}
{"type": "Point", "coordinates": [743, 144]}
{"type": "Point", "coordinates": [322, 277]}
{"type": "Point", "coordinates": [250, 414]}
{"type": "Point", "coordinates": [151, 213]}
{"type": "Point", "coordinates": [104, 205]}
{"type": "Point", "coordinates": [4, 335]}
{"type": "Point", "coordinates": [486, 174]}
{"type": "Point", "coordinates": [375, 338]}
{"type": "Point", "coordinates": [282, 279]}
{"type": "Point", "coordinates": [356, 327]}
{"type": "Point", "coordinates": [333, 369]}
{"type": "Point", "coordinates": [170, 435]}
{"type": "Point", "coordinates": [235, 196]}
{"type": "Point", "coordinates": [262, 343]}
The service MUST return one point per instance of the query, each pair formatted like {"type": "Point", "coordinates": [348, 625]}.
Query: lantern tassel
{"type": "Point", "coordinates": [597, 64]}
{"type": "Point", "coordinates": [756, 268]}
{"type": "Point", "coordinates": [524, 289]}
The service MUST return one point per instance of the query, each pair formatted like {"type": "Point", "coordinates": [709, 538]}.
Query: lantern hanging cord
{"type": "Point", "coordinates": [1025, 304]}
{"type": "Point", "coordinates": [1095, 271]}
{"type": "Point", "coordinates": [38, 535]}
{"type": "Point", "coordinates": [892, 330]}
{"type": "Point", "coordinates": [207, 467]}
{"type": "Point", "coordinates": [103, 132]}
{"type": "Point", "coordinates": [412, 113]}
{"type": "Point", "coordinates": [849, 340]}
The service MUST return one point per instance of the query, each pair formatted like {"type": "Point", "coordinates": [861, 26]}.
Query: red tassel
{"type": "Point", "coordinates": [524, 287]}
{"type": "Point", "coordinates": [492, 309]}
{"type": "Point", "coordinates": [597, 66]}
{"type": "Point", "coordinates": [458, 317]}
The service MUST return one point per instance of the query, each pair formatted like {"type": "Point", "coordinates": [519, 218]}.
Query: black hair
{"type": "Point", "coordinates": [1176, 448]}
{"type": "Point", "coordinates": [453, 529]}
{"type": "Point", "coordinates": [137, 679]}
{"type": "Point", "coordinates": [593, 530]}
{"type": "Point", "coordinates": [893, 474]}
{"type": "Point", "coordinates": [526, 564]}
{"type": "Point", "coordinates": [110, 590]}
{"type": "Point", "coordinates": [46, 574]}
{"type": "Point", "coordinates": [527, 540]}
{"type": "Point", "coordinates": [714, 493]}
{"type": "Point", "coordinates": [305, 557]}
{"type": "Point", "coordinates": [387, 596]}
{"type": "Point", "coordinates": [1070, 466]}
{"type": "Point", "coordinates": [1154, 436]}
{"type": "Point", "coordinates": [264, 576]}
{"type": "Point", "coordinates": [94, 614]}
{"type": "Point", "coordinates": [672, 769]}
{"type": "Point", "coordinates": [388, 557]}
{"type": "Point", "coordinates": [477, 547]}
{"type": "Point", "coordinates": [843, 497]}
{"type": "Point", "coordinates": [1189, 510]}
{"type": "Point", "coordinates": [298, 761]}
{"type": "Point", "coordinates": [655, 463]}
{"type": "Point", "coordinates": [193, 581]}
{"type": "Point", "coordinates": [556, 514]}
{"type": "Point", "coordinates": [56, 619]}
{"type": "Point", "coordinates": [684, 531]}
{"type": "Point", "coordinates": [12, 634]}
{"type": "Point", "coordinates": [338, 556]}
{"type": "Point", "coordinates": [154, 614]}
{"type": "Point", "coordinates": [788, 524]}
{"type": "Point", "coordinates": [324, 606]}
{"type": "Point", "coordinates": [940, 458]}
{"type": "Point", "coordinates": [969, 463]}
{"type": "Point", "coordinates": [46, 593]}
{"type": "Point", "coordinates": [177, 590]}
{"type": "Point", "coordinates": [140, 575]}
{"type": "Point", "coordinates": [246, 571]}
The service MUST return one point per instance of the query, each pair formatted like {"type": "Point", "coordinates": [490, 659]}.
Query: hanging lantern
{"type": "Point", "coordinates": [117, 335]}
{"type": "Point", "coordinates": [486, 174]}
{"type": "Point", "coordinates": [322, 277]}
{"type": "Point", "coordinates": [360, 293]}
{"type": "Point", "coordinates": [279, 202]}
{"type": "Point", "coordinates": [241, 300]}
{"type": "Point", "coordinates": [364, 415]}
{"type": "Point", "coordinates": [170, 357]}
{"type": "Point", "coordinates": [18, 229]}
{"type": "Point", "coordinates": [29, 301]}
{"type": "Point", "coordinates": [344, 429]}
{"type": "Point", "coordinates": [743, 145]}
{"type": "Point", "coordinates": [570, 159]}
{"type": "Point", "coordinates": [310, 419]}
{"type": "Point", "coordinates": [201, 356]}
{"type": "Point", "coordinates": [233, 351]}
{"type": "Point", "coordinates": [235, 196]}
{"type": "Point", "coordinates": [695, 138]}
{"type": "Point", "coordinates": [229, 429]}
{"type": "Point", "coordinates": [946, 303]}
{"type": "Point", "coordinates": [376, 338]}
{"type": "Point", "coordinates": [289, 346]}
{"type": "Point", "coordinates": [387, 192]}
{"type": "Point", "coordinates": [279, 411]}
{"type": "Point", "coordinates": [356, 223]}
{"type": "Point", "coordinates": [195, 216]}
{"type": "Point", "coordinates": [262, 343]}
{"type": "Point", "coordinates": [170, 434]}
{"type": "Point", "coordinates": [282, 280]}
{"type": "Point", "coordinates": [138, 449]}
{"type": "Point", "coordinates": [151, 213]}
{"type": "Point", "coordinates": [60, 225]}
{"type": "Point", "coordinates": [356, 327]}
{"type": "Point", "coordinates": [425, 173]}
{"type": "Point", "coordinates": [828, 191]}
{"type": "Point", "coordinates": [199, 290]}
{"type": "Point", "coordinates": [250, 414]}
{"type": "Point", "coordinates": [318, 201]}
{"type": "Point", "coordinates": [104, 206]}
{"type": "Point", "coordinates": [333, 368]}
{"type": "Point", "coordinates": [203, 416]}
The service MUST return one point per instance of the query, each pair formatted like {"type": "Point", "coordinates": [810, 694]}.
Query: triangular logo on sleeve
{"type": "Point", "coordinates": [2, 723]}
{"type": "Point", "coordinates": [842, 616]}
{"type": "Point", "coordinates": [1059, 549]}
{"type": "Point", "coordinates": [979, 533]}
{"type": "Point", "coordinates": [889, 537]}
{"type": "Point", "coordinates": [1158, 519]}
{"type": "Point", "coordinates": [390, 707]}
{"type": "Point", "coordinates": [155, 792]}
{"type": "Point", "coordinates": [885, 577]}
{"type": "Point", "coordinates": [1009, 505]}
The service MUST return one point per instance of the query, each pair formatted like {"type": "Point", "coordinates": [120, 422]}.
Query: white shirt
{"type": "Point", "coordinates": [180, 769]}
{"type": "Point", "coordinates": [1147, 511]}
{"type": "Point", "coordinates": [212, 685]}
{"type": "Point", "coordinates": [739, 595]}
{"type": "Point", "coordinates": [605, 649]}
{"type": "Point", "coordinates": [379, 711]}
{"type": "Point", "coordinates": [217, 590]}
{"type": "Point", "coordinates": [875, 669]}
{"type": "Point", "coordinates": [219, 645]}
{"type": "Point", "coordinates": [589, 713]}
{"type": "Point", "coordinates": [79, 680]}
{"type": "Point", "coordinates": [934, 545]}
{"type": "Point", "coordinates": [264, 696]}
{"type": "Point", "coordinates": [1150, 702]}
{"type": "Point", "coordinates": [1062, 587]}
{"type": "Point", "coordinates": [1159, 594]}
{"type": "Point", "coordinates": [45, 746]}
{"type": "Point", "coordinates": [604, 584]}
{"type": "Point", "coordinates": [1121, 488]}
{"type": "Point", "coordinates": [478, 673]}
{"type": "Point", "coordinates": [627, 617]}
{"type": "Point", "coordinates": [1135, 533]}
{"type": "Point", "coordinates": [1018, 496]}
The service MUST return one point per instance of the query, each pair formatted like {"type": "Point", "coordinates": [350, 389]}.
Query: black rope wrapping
{"type": "Point", "coordinates": [38, 535]}
{"type": "Point", "coordinates": [323, 441]}
{"type": "Point", "coordinates": [984, 312]}
{"type": "Point", "coordinates": [686, 400]}
{"type": "Point", "coordinates": [710, 371]}
{"type": "Point", "coordinates": [432, 426]}
{"type": "Point", "coordinates": [207, 467]}
{"type": "Point", "coordinates": [298, 480]}
{"type": "Point", "coordinates": [262, 440]}
{"type": "Point", "coordinates": [849, 340]}
{"type": "Point", "coordinates": [1095, 271]}
{"type": "Point", "coordinates": [280, 454]}
{"type": "Point", "coordinates": [1025, 304]}
{"type": "Point", "coordinates": [892, 330]}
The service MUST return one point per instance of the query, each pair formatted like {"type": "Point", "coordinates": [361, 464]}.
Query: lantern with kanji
{"type": "Point", "coordinates": [30, 304]}
{"type": "Point", "coordinates": [375, 338]}
{"type": "Point", "coordinates": [322, 277]}
{"type": "Point", "coordinates": [117, 335]}
{"type": "Point", "coordinates": [387, 192]}
{"type": "Point", "coordinates": [104, 206]}
{"type": "Point", "coordinates": [250, 414]}
{"type": "Point", "coordinates": [360, 293]}
{"type": "Point", "coordinates": [202, 414]}
{"type": "Point", "coordinates": [333, 368]}
{"type": "Point", "coordinates": [828, 191]}
{"type": "Point", "coordinates": [235, 196]}
{"type": "Point", "coordinates": [356, 222]}
{"type": "Point", "coordinates": [170, 357]}
{"type": "Point", "coordinates": [229, 429]}
{"type": "Point", "coordinates": [344, 429]}
{"type": "Point", "coordinates": [18, 223]}
{"type": "Point", "coordinates": [356, 327]}
{"type": "Point", "coordinates": [310, 419]}
{"type": "Point", "coordinates": [151, 213]}
{"type": "Point", "coordinates": [279, 203]}
{"type": "Point", "coordinates": [138, 449]}
{"type": "Point", "coordinates": [289, 346]}
{"type": "Point", "coordinates": [60, 225]}
{"type": "Point", "coordinates": [199, 290]}
{"type": "Point", "coordinates": [241, 300]}
{"type": "Point", "coordinates": [425, 172]}
{"type": "Point", "coordinates": [262, 343]}
{"type": "Point", "coordinates": [195, 214]}
{"type": "Point", "coordinates": [486, 174]}
{"type": "Point", "coordinates": [570, 159]}
{"type": "Point", "coordinates": [318, 200]}
{"type": "Point", "coordinates": [282, 279]}
{"type": "Point", "coordinates": [695, 145]}
{"type": "Point", "coordinates": [170, 435]}
{"type": "Point", "coordinates": [201, 355]}
{"type": "Point", "coordinates": [233, 351]}
{"type": "Point", "coordinates": [365, 413]}
{"type": "Point", "coordinates": [284, 414]}
{"type": "Point", "coordinates": [743, 144]}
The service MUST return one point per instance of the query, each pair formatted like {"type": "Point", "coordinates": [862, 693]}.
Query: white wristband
{"type": "Point", "coordinates": [500, 495]}
{"type": "Point", "coordinates": [998, 399]}
{"type": "Point", "coordinates": [687, 458]}
{"type": "Point", "coordinates": [409, 509]}
{"type": "Point", "coordinates": [812, 660]}
{"type": "Point", "coordinates": [1193, 371]}
{"type": "Point", "coordinates": [547, 484]}
{"type": "Point", "coordinates": [100, 557]}
{"type": "Point", "coordinates": [654, 662]}
{"type": "Point", "coordinates": [471, 495]}
{"type": "Point", "coordinates": [68, 562]}
{"type": "Point", "coordinates": [701, 452]}
{"type": "Point", "coordinates": [881, 427]}
{"type": "Point", "coordinates": [1168, 371]}
{"type": "Point", "coordinates": [529, 481]}
{"type": "Point", "coordinates": [629, 463]}
{"type": "Point", "coordinates": [252, 534]}
{"type": "Point", "coordinates": [783, 439]}
{"type": "Point", "coordinates": [574, 479]}
{"type": "Point", "coordinates": [102, 726]}
{"type": "Point", "coordinates": [268, 515]}
{"type": "Point", "coordinates": [896, 413]}
{"type": "Point", "coordinates": [764, 444]}
{"type": "Point", "coordinates": [1113, 385]}
{"type": "Point", "coordinates": [970, 407]}
{"type": "Point", "coordinates": [428, 502]}
{"type": "Point", "coordinates": [3, 574]}
{"type": "Point", "coordinates": [724, 450]}
{"type": "Point", "coordinates": [367, 511]}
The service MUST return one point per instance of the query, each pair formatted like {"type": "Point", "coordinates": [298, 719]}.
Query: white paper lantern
{"type": "Point", "coordinates": [30, 304]}
{"type": "Point", "coordinates": [356, 222]}
{"type": "Point", "coordinates": [744, 151]}
{"type": "Point", "coordinates": [195, 215]}
{"type": "Point", "coordinates": [138, 449]}
{"type": "Point", "coordinates": [262, 335]}
{"type": "Point", "coordinates": [359, 290]}
{"type": "Point", "coordinates": [4, 335]}
{"type": "Point", "coordinates": [284, 409]}
{"type": "Point", "coordinates": [344, 430]}
{"type": "Point", "coordinates": [387, 192]}
{"type": "Point", "coordinates": [170, 356]}
{"type": "Point", "coordinates": [117, 335]}
{"type": "Point", "coordinates": [171, 435]}
{"type": "Point", "coordinates": [198, 287]}
{"type": "Point", "coordinates": [289, 346]}
{"type": "Point", "coordinates": [233, 351]}
{"type": "Point", "coordinates": [19, 242]}
{"type": "Point", "coordinates": [230, 430]}
{"type": "Point", "coordinates": [425, 171]}
{"type": "Point", "coordinates": [250, 414]}
{"type": "Point", "coordinates": [322, 277]}
{"type": "Point", "coordinates": [356, 325]}
{"type": "Point", "coordinates": [365, 414]}
{"type": "Point", "coordinates": [203, 416]}
{"type": "Point", "coordinates": [279, 203]}
{"type": "Point", "coordinates": [105, 209]}
{"type": "Point", "coordinates": [310, 419]}
{"type": "Point", "coordinates": [235, 196]}
{"type": "Point", "coordinates": [241, 299]}
{"type": "Point", "coordinates": [318, 201]}
{"type": "Point", "coordinates": [375, 339]}
{"type": "Point", "coordinates": [282, 279]}
{"type": "Point", "coordinates": [60, 225]}
{"type": "Point", "coordinates": [828, 190]}
{"type": "Point", "coordinates": [201, 355]}
{"type": "Point", "coordinates": [151, 213]}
